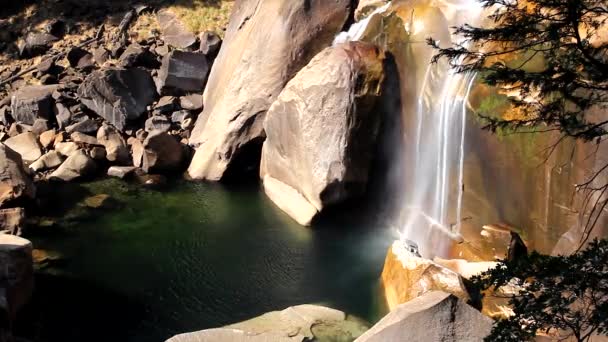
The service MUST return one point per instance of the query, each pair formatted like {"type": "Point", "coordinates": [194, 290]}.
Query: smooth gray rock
{"type": "Point", "coordinates": [294, 324]}
{"type": "Point", "coordinates": [174, 32]}
{"type": "Point", "coordinates": [32, 102]}
{"type": "Point", "coordinates": [78, 165]}
{"type": "Point", "coordinates": [48, 161]}
{"type": "Point", "coordinates": [118, 95]}
{"type": "Point", "coordinates": [183, 72]}
{"type": "Point", "coordinates": [137, 151]}
{"type": "Point", "coordinates": [162, 153]}
{"type": "Point", "coordinates": [66, 148]}
{"type": "Point", "coordinates": [26, 144]}
{"type": "Point", "coordinates": [121, 171]}
{"type": "Point", "coordinates": [81, 138]}
{"type": "Point", "coordinates": [191, 102]}
{"type": "Point", "coordinates": [117, 150]}
{"type": "Point", "coordinates": [434, 316]}
{"type": "Point", "coordinates": [211, 43]}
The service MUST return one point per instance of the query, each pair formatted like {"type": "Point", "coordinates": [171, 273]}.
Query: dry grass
{"type": "Point", "coordinates": [203, 15]}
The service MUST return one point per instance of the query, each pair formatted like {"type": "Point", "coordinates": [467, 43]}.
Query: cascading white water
{"type": "Point", "coordinates": [433, 179]}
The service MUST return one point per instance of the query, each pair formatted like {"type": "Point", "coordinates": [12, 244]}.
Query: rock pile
{"type": "Point", "coordinates": [100, 106]}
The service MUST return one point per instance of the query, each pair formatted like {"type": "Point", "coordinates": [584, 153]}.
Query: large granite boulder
{"type": "Point", "coordinates": [16, 274]}
{"type": "Point", "coordinates": [407, 276]}
{"type": "Point", "coordinates": [321, 131]}
{"type": "Point", "coordinates": [267, 43]}
{"type": "Point", "coordinates": [32, 102]}
{"type": "Point", "coordinates": [118, 95]}
{"type": "Point", "coordinates": [435, 316]}
{"type": "Point", "coordinates": [15, 183]}
{"type": "Point", "coordinates": [294, 324]}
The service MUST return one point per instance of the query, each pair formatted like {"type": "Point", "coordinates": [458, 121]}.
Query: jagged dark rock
{"type": "Point", "coordinates": [118, 95]}
{"type": "Point", "coordinates": [32, 102]}
{"type": "Point", "coordinates": [35, 44]}
{"type": "Point", "coordinates": [138, 56]}
{"type": "Point", "coordinates": [183, 72]}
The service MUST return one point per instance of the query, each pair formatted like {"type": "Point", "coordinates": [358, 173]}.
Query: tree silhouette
{"type": "Point", "coordinates": [564, 296]}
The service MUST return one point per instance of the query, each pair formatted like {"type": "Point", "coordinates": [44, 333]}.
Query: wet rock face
{"type": "Point", "coordinates": [266, 44]}
{"type": "Point", "coordinates": [321, 131]}
{"type": "Point", "coordinates": [118, 95]}
{"type": "Point", "coordinates": [434, 316]}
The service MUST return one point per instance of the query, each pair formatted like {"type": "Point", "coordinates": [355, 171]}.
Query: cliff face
{"type": "Point", "coordinates": [518, 180]}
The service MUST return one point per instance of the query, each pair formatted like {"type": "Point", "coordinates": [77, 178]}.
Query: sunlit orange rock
{"type": "Point", "coordinates": [407, 276]}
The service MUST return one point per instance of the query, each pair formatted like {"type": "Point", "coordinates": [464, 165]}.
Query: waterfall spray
{"type": "Point", "coordinates": [433, 180]}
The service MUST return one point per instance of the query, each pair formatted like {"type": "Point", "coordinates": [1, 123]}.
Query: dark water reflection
{"type": "Point", "coordinates": [195, 257]}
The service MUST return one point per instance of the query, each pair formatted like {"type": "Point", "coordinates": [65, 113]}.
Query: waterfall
{"type": "Point", "coordinates": [433, 174]}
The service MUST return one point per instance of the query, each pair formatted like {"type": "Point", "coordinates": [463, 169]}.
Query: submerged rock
{"type": "Point", "coordinates": [321, 131]}
{"type": "Point", "coordinates": [266, 44]}
{"type": "Point", "coordinates": [15, 183]}
{"type": "Point", "coordinates": [434, 316]}
{"type": "Point", "coordinates": [118, 95]}
{"type": "Point", "coordinates": [406, 276]}
{"type": "Point", "coordinates": [297, 323]}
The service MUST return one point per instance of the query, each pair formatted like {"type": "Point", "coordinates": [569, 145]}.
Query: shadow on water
{"type": "Point", "coordinates": [73, 310]}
